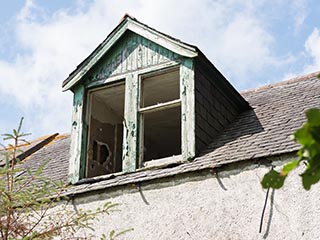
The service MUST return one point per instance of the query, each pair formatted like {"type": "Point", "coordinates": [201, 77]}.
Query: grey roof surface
{"type": "Point", "coordinates": [278, 110]}
{"type": "Point", "coordinates": [265, 130]}
{"type": "Point", "coordinates": [56, 153]}
{"type": "Point", "coordinates": [25, 149]}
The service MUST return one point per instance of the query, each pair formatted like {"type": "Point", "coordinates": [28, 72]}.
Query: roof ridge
{"type": "Point", "coordinates": [282, 83]}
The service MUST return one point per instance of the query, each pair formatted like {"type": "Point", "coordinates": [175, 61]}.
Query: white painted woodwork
{"type": "Point", "coordinates": [187, 91]}
{"type": "Point", "coordinates": [76, 147]}
{"type": "Point", "coordinates": [130, 132]}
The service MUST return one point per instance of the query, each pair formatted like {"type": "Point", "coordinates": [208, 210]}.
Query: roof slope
{"type": "Point", "coordinates": [278, 110]}
{"type": "Point", "coordinates": [265, 130]}
{"type": "Point", "coordinates": [56, 153]}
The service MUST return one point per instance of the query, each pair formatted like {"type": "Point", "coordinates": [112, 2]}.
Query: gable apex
{"type": "Point", "coordinates": [132, 24]}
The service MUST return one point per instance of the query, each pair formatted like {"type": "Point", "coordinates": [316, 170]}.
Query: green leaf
{"type": "Point", "coordinates": [20, 124]}
{"type": "Point", "coordinates": [103, 237]}
{"type": "Point", "coordinates": [15, 133]}
{"type": "Point", "coordinates": [7, 136]}
{"type": "Point", "coordinates": [289, 167]}
{"type": "Point", "coordinates": [303, 135]}
{"type": "Point", "coordinates": [40, 168]}
{"type": "Point", "coordinates": [111, 234]}
{"type": "Point", "coordinates": [273, 179]}
{"type": "Point", "coordinates": [310, 177]}
{"type": "Point", "coordinates": [313, 116]}
{"type": "Point", "coordinates": [315, 133]}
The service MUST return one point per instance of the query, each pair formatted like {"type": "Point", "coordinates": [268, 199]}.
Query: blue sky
{"type": "Point", "coordinates": [252, 43]}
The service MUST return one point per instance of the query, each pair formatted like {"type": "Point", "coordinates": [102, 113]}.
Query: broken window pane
{"type": "Point", "coordinates": [105, 133]}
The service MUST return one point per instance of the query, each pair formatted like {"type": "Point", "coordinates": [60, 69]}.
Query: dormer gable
{"type": "Point", "coordinates": [159, 41]}
{"type": "Point", "coordinates": [143, 99]}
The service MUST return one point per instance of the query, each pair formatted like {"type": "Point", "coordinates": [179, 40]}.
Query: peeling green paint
{"type": "Point", "coordinates": [77, 149]}
{"type": "Point", "coordinates": [128, 58]}
{"type": "Point", "coordinates": [184, 117]}
{"type": "Point", "coordinates": [187, 109]}
{"type": "Point", "coordinates": [131, 119]}
{"type": "Point", "coordinates": [130, 54]}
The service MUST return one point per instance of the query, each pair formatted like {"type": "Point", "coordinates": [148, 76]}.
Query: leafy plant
{"type": "Point", "coordinates": [33, 206]}
{"type": "Point", "coordinates": [309, 138]}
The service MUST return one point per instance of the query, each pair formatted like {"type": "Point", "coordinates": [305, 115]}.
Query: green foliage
{"type": "Point", "coordinates": [113, 235]}
{"type": "Point", "coordinates": [33, 206]}
{"type": "Point", "coordinates": [308, 136]}
{"type": "Point", "coordinates": [273, 179]}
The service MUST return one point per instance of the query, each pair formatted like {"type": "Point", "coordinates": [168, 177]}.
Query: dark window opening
{"type": "Point", "coordinates": [160, 116]}
{"type": "Point", "coordinates": [162, 133]}
{"type": "Point", "coordinates": [105, 132]}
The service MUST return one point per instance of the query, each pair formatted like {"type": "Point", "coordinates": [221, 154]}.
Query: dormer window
{"type": "Point", "coordinates": [143, 99]}
{"type": "Point", "coordinates": [159, 122]}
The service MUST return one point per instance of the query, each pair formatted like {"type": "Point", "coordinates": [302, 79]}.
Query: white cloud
{"type": "Point", "coordinates": [309, 57]}
{"type": "Point", "coordinates": [52, 45]}
{"type": "Point", "coordinates": [243, 47]}
{"type": "Point", "coordinates": [312, 47]}
{"type": "Point", "coordinates": [299, 11]}
{"type": "Point", "coordinates": [231, 34]}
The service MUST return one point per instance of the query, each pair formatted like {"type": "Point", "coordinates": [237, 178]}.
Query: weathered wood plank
{"type": "Point", "coordinates": [156, 37]}
{"type": "Point", "coordinates": [187, 89]}
{"type": "Point", "coordinates": [145, 52]}
{"type": "Point", "coordinates": [130, 133]}
{"type": "Point", "coordinates": [138, 72]}
{"type": "Point", "coordinates": [132, 54]}
{"type": "Point", "coordinates": [78, 140]}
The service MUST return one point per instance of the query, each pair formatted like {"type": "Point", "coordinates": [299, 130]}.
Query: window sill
{"type": "Point", "coordinates": [152, 164]}
{"type": "Point", "coordinates": [162, 162]}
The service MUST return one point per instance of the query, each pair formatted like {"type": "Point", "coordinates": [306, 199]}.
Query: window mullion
{"type": "Point", "coordinates": [130, 133]}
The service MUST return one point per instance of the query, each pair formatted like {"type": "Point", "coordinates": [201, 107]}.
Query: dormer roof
{"type": "Point", "coordinates": [128, 23]}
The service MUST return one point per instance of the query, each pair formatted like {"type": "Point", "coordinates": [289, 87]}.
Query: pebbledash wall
{"type": "Point", "coordinates": [222, 204]}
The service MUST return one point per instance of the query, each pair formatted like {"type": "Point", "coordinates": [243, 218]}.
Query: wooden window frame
{"type": "Point", "coordinates": [154, 108]}
{"type": "Point", "coordinates": [88, 113]}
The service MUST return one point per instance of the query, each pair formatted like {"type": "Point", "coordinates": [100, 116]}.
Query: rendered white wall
{"type": "Point", "coordinates": [198, 206]}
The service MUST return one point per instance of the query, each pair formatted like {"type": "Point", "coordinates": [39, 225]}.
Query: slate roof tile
{"type": "Point", "coordinates": [57, 155]}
